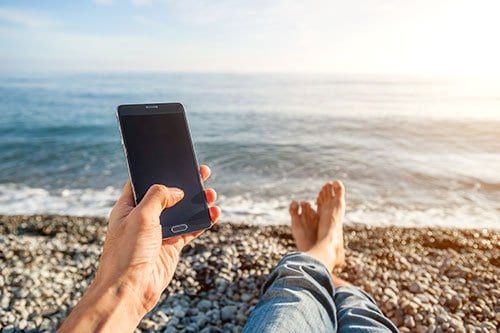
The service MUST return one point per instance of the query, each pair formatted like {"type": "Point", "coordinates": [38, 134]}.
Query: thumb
{"type": "Point", "coordinates": [159, 197]}
{"type": "Point", "coordinates": [123, 205]}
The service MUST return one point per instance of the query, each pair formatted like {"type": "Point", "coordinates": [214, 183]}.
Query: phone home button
{"type": "Point", "coordinates": [178, 228]}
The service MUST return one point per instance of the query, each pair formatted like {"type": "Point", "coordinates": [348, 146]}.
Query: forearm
{"type": "Point", "coordinates": [105, 308]}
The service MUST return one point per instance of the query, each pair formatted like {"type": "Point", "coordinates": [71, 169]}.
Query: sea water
{"type": "Point", "coordinates": [410, 151]}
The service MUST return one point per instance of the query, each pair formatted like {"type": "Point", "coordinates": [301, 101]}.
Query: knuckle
{"type": "Point", "coordinates": [171, 199]}
{"type": "Point", "coordinates": [160, 192]}
{"type": "Point", "coordinates": [159, 189]}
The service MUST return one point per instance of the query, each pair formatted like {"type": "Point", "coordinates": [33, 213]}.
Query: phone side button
{"type": "Point", "coordinates": [178, 228]}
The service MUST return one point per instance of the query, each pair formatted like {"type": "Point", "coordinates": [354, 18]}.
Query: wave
{"type": "Point", "coordinates": [18, 199]}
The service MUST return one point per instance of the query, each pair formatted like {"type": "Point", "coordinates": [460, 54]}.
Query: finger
{"type": "Point", "coordinates": [157, 198]}
{"type": "Point", "coordinates": [123, 206]}
{"type": "Point", "coordinates": [214, 213]}
{"type": "Point", "coordinates": [205, 172]}
{"type": "Point", "coordinates": [127, 196]}
{"type": "Point", "coordinates": [210, 195]}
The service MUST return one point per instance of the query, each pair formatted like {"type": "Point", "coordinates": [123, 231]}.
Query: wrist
{"type": "Point", "coordinates": [132, 287]}
{"type": "Point", "coordinates": [121, 292]}
{"type": "Point", "coordinates": [106, 307]}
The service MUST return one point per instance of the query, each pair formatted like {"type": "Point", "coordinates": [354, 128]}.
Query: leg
{"type": "Point", "coordinates": [356, 310]}
{"type": "Point", "coordinates": [297, 294]}
{"type": "Point", "coordinates": [297, 297]}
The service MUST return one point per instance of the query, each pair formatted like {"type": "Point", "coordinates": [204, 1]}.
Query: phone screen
{"type": "Point", "coordinates": [159, 151]}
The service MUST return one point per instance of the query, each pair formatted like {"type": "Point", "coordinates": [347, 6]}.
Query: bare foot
{"type": "Point", "coordinates": [331, 209]}
{"type": "Point", "coordinates": [304, 225]}
{"type": "Point", "coordinates": [329, 247]}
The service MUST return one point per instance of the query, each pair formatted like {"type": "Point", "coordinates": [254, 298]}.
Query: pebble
{"type": "Point", "coordinates": [201, 320]}
{"type": "Point", "coordinates": [421, 328]}
{"type": "Point", "coordinates": [228, 312]}
{"type": "Point", "coordinates": [204, 305]}
{"type": "Point", "coordinates": [409, 322]}
{"type": "Point", "coordinates": [246, 297]}
{"type": "Point", "coordinates": [415, 288]}
{"type": "Point", "coordinates": [8, 329]}
{"type": "Point", "coordinates": [454, 303]}
{"type": "Point", "coordinates": [179, 312]}
{"type": "Point", "coordinates": [426, 279]}
{"type": "Point", "coordinates": [390, 292]}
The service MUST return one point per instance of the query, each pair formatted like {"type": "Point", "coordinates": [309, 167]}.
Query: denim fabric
{"type": "Point", "coordinates": [299, 296]}
{"type": "Point", "coordinates": [357, 312]}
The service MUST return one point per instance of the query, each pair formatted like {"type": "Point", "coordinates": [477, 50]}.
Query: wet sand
{"type": "Point", "coordinates": [424, 279]}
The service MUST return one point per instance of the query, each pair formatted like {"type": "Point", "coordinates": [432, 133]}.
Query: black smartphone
{"type": "Point", "coordinates": [159, 150]}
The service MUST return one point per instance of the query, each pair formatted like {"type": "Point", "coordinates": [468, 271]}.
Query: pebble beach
{"type": "Point", "coordinates": [424, 279]}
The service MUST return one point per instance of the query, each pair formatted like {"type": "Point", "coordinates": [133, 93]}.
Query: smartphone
{"type": "Point", "coordinates": [159, 150]}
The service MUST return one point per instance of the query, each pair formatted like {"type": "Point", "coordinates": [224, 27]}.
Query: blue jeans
{"type": "Point", "coordinates": [299, 296]}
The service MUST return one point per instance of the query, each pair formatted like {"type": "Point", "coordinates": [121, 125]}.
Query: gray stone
{"type": "Point", "coordinates": [192, 328]}
{"type": "Point", "coordinates": [201, 320]}
{"type": "Point", "coordinates": [421, 328]}
{"type": "Point", "coordinates": [179, 312]}
{"type": "Point", "coordinates": [211, 329]}
{"type": "Point", "coordinates": [246, 297]}
{"type": "Point", "coordinates": [174, 321]}
{"type": "Point", "coordinates": [228, 312]}
{"type": "Point", "coordinates": [441, 318]}
{"type": "Point", "coordinates": [409, 322]}
{"type": "Point", "coordinates": [415, 288]}
{"type": "Point", "coordinates": [204, 305]}
{"type": "Point", "coordinates": [170, 329]}
{"type": "Point", "coordinates": [431, 329]}
{"type": "Point", "coordinates": [8, 329]}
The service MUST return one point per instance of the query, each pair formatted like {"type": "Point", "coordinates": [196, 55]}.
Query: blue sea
{"type": "Point", "coordinates": [411, 151]}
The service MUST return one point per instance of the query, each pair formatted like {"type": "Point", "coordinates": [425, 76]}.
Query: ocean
{"type": "Point", "coordinates": [411, 151]}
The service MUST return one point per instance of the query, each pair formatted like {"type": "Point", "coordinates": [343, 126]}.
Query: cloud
{"type": "Point", "coordinates": [104, 2]}
{"type": "Point", "coordinates": [142, 3]}
{"type": "Point", "coordinates": [23, 18]}
{"type": "Point", "coordinates": [283, 35]}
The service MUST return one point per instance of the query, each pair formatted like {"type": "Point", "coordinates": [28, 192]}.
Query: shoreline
{"type": "Point", "coordinates": [424, 279]}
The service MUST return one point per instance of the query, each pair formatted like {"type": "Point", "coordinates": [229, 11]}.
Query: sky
{"type": "Point", "coordinates": [426, 37]}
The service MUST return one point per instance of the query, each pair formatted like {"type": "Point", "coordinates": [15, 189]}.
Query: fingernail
{"type": "Point", "coordinates": [177, 193]}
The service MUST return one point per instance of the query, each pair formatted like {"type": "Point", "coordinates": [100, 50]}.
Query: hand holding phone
{"type": "Point", "coordinates": [136, 265]}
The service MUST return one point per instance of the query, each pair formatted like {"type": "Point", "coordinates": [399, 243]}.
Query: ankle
{"type": "Point", "coordinates": [325, 255]}
{"type": "Point", "coordinates": [328, 241]}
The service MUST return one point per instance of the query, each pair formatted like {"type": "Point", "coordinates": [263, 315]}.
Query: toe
{"type": "Point", "coordinates": [294, 209]}
{"type": "Point", "coordinates": [327, 191]}
{"type": "Point", "coordinates": [304, 210]}
{"type": "Point", "coordinates": [338, 189]}
{"type": "Point", "coordinates": [321, 195]}
{"type": "Point", "coordinates": [331, 190]}
{"type": "Point", "coordinates": [309, 211]}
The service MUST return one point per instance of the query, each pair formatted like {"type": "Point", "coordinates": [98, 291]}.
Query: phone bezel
{"type": "Point", "coordinates": [164, 108]}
